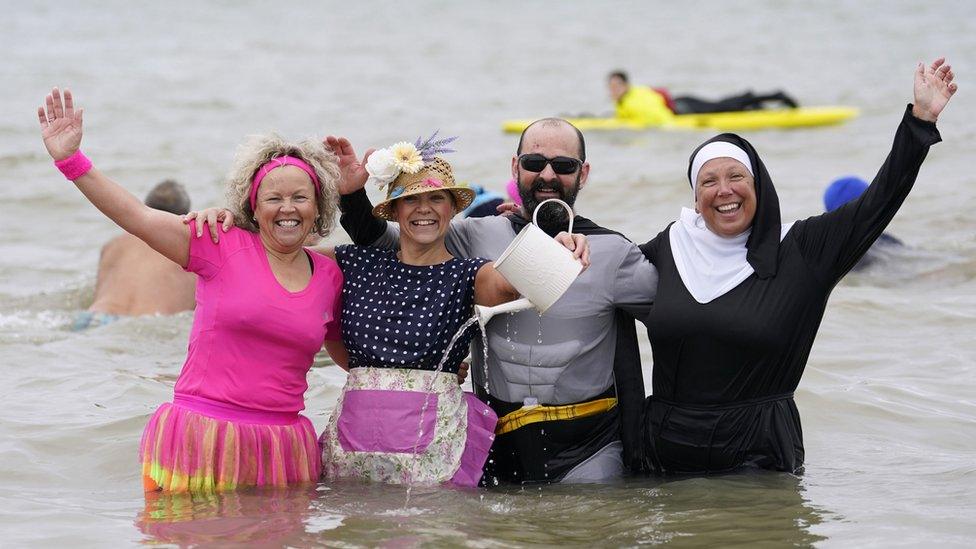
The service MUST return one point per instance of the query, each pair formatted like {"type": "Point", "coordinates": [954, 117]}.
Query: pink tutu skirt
{"type": "Point", "coordinates": [198, 445]}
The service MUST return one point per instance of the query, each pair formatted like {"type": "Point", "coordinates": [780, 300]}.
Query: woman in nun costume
{"type": "Point", "coordinates": [741, 296]}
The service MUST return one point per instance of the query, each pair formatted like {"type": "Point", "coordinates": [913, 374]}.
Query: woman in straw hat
{"type": "Point", "coordinates": [265, 304]}
{"type": "Point", "coordinates": [401, 417]}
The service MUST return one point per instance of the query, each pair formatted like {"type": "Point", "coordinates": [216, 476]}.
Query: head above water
{"type": "Point", "coordinates": [842, 191]}
{"type": "Point", "coordinates": [437, 175]}
{"type": "Point", "coordinates": [424, 203]}
{"type": "Point", "coordinates": [734, 193]}
{"type": "Point", "coordinates": [618, 83]}
{"type": "Point", "coordinates": [550, 162]}
{"type": "Point", "coordinates": [169, 196]}
{"type": "Point", "coordinates": [282, 184]}
{"type": "Point", "coordinates": [724, 184]}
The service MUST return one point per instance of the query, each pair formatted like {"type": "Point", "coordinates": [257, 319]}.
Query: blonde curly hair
{"type": "Point", "coordinates": [256, 151]}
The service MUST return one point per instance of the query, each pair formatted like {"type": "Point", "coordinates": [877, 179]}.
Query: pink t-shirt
{"type": "Point", "coordinates": [252, 340]}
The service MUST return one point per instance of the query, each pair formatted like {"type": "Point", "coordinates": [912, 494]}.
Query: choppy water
{"type": "Point", "coordinates": [888, 397]}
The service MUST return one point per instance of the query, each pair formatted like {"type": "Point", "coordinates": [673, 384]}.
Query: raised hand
{"type": "Point", "coordinates": [60, 124]}
{"type": "Point", "coordinates": [933, 89]}
{"type": "Point", "coordinates": [353, 171]}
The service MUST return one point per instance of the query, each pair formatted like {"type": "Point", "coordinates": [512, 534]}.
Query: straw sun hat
{"type": "Point", "coordinates": [436, 176]}
{"type": "Point", "coordinates": [412, 168]}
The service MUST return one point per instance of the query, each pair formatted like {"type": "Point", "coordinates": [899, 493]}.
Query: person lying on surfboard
{"type": "Point", "coordinates": [655, 106]}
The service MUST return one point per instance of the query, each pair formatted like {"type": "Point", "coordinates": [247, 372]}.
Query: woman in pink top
{"type": "Point", "coordinates": [401, 417]}
{"type": "Point", "coordinates": [264, 306]}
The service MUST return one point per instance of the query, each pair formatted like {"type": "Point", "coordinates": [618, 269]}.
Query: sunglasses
{"type": "Point", "coordinates": [562, 165]}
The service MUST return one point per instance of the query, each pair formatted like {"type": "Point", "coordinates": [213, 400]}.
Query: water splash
{"type": "Point", "coordinates": [429, 390]}
{"type": "Point", "coordinates": [484, 357]}
{"type": "Point", "coordinates": [510, 334]}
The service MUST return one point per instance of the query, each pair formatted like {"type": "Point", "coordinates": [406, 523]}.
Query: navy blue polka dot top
{"type": "Point", "coordinates": [403, 316]}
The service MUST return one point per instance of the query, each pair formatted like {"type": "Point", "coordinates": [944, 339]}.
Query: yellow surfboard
{"type": "Point", "coordinates": [803, 117]}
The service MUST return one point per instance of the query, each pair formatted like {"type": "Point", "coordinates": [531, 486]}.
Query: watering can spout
{"type": "Point", "coordinates": [485, 313]}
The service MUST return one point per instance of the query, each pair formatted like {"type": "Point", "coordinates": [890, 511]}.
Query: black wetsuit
{"type": "Point", "coordinates": [885, 244]}
{"type": "Point", "coordinates": [725, 371]}
{"type": "Point", "coordinates": [748, 101]}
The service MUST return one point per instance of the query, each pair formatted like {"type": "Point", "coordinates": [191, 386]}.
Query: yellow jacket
{"type": "Point", "coordinates": [644, 105]}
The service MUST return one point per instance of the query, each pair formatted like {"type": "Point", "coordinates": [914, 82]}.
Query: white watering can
{"type": "Point", "coordinates": [540, 268]}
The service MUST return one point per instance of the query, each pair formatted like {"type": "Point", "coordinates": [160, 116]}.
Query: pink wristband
{"type": "Point", "coordinates": [74, 166]}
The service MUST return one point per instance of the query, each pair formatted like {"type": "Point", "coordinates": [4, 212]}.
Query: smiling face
{"type": "Point", "coordinates": [725, 196]}
{"type": "Point", "coordinates": [424, 218]}
{"type": "Point", "coordinates": [551, 141]}
{"type": "Point", "coordinates": [285, 209]}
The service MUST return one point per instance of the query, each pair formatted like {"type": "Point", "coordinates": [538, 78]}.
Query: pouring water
{"type": "Point", "coordinates": [429, 390]}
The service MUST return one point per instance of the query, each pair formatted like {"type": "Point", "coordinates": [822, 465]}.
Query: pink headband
{"type": "Point", "coordinates": [277, 163]}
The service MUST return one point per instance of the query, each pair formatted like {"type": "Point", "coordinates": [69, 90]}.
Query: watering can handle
{"type": "Point", "coordinates": [569, 210]}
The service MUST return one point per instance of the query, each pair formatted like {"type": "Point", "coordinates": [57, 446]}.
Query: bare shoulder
{"type": "Point", "coordinates": [118, 244]}
{"type": "Point", "coordinates": [327, 251]}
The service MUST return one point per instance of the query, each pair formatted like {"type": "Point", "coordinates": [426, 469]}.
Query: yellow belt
{"type": "Point", "coordinates": [535, 414]}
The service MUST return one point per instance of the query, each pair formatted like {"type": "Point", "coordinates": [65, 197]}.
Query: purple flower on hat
{"type": "Point", "coordinates": [431, 147]}
{"type": "Point", "coordinates": [433, 182]}
{"type": "Point", "coordinates": [396, 192]}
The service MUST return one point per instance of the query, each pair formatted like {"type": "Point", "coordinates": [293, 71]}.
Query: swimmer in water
{"type": "Point", "coordinates": [133, 279]}
{"type": "Point", "coordinates": [848, 189]}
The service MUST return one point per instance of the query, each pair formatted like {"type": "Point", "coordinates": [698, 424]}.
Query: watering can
{"type": "Point", "coordinates": [540, 268]}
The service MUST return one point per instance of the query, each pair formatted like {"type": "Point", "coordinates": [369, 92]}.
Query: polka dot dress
{"type": "Point", "coordinates": [403, 316]}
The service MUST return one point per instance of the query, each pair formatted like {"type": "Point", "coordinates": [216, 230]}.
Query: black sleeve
{"type": "Point", "coordinates": [358, 220]}
{"type": "Point", "coordinates": [629, 383]}
{"type": "Point", "coordinates": [833, 242]}
{"type": "Point", "coordinates": [651, 247]}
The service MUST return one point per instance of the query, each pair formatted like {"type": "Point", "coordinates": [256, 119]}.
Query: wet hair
{"type": "Point", "coordinates": [619, 74]}
{"type": "Point", "coordinates": [169, 196]}
{"type": "Point", "coordinates": [555, 123]}
{"type": "Point", "coordinates": [258, 150]}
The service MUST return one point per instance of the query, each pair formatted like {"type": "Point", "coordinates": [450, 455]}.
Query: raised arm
{"type": "Point", "coordinates": [362, 226]}
{"type": "Point", "coordinates": [357, 212]}
{"type": "Point", "coordinates": [61, 130]}
{"type": "Point", "coordinates": [832, 243]}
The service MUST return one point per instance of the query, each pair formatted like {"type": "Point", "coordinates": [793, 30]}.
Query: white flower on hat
{"type": "Point", "coordinates": [406, 157]}
{"type": "Point", "coordinates": [381, 167]}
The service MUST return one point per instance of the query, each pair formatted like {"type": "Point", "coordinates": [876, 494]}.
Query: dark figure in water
{"type": "Point", "coordinates": [848, 189]}
{"type": "Point", "coordinates": [656, 106]}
